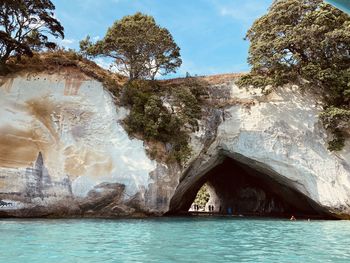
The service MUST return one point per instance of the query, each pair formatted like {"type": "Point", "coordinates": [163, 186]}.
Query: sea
{"type": "Point", "coordinates": [174, 239]}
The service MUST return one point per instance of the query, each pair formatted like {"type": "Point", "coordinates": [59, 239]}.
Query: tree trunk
{"type": "Point", "coordinates": [3, 60]}
{"type": "Point", "coordinates": [3, 69]}
{"type": "Point", "coordinates": [6, 56]}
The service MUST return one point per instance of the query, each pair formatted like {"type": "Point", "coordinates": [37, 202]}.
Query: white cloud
{"type": "Point", "coordinates": [67, 42]}
{"type": "Point", "coordinates": [244, 11]}
{"type": "Point", "coordinates": [103, 63]}
{"type": "Point", "coordinates": [95, 38]}
{"type": "Point", "coordinates": [107, 64]}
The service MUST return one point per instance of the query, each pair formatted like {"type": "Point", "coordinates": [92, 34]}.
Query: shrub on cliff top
{"type": "Point", "coordinates": [305, 40]}
{"type": "Point", "coordinates": [162, 114]}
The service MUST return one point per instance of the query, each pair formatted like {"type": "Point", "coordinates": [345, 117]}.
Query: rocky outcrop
{"type": "Point", "coordinates": [280, 136]}
{"type": "Point", "coordinates": [64, 151]}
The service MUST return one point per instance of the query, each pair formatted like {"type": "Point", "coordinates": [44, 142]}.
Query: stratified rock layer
{"type": "Point", "coordinates": [62, 146]}
{"type": "Point", "coordinates": [64, 152]}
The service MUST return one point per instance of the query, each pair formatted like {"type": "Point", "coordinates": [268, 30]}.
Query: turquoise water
{"type": "Point", "coordinates": [174, 240]}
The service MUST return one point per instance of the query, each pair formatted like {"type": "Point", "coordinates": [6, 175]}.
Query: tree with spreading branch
{"type": "Point", "coordinates": [140, 48]}
{"type": "Point", "coordinates": [307, 42]}
{"type": "Point", "coordinates": [24, 26]}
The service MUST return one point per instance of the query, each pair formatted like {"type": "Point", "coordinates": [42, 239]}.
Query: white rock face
{"type": "Point", "coordinates": [62, 145]}
{"type": "Point", "coordinates": [73, 121]}
{"type": "Point", "coordinates": [281, 135]}
{"type": "Point", "coordinates": [285, 135]}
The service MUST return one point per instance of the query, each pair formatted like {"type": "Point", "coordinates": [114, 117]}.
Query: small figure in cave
{"type": "Point", "coordinates": [212, 208]}
{"type": "Point", "coordinates": [292, 218]}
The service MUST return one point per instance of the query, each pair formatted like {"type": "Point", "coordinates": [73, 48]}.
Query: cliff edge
{"type": "Point", "coordinates": [64, 151]}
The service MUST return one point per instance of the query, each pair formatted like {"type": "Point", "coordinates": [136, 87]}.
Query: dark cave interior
{"type": "Point", "coordinates": [238, 189]}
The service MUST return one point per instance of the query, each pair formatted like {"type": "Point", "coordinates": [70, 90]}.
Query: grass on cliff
{"type": "Point", "coordinates": [54, 61]}
{"type": "Point", "coordinates": [162, 113]}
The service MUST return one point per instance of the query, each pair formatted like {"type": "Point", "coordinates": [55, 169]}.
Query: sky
{"type": "Point", "coordinates": [210, 33]}
{"type": "Point", "coordinates": [341, 4]}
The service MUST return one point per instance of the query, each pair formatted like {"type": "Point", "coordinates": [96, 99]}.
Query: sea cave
{"type": "Point", "coordinates": [241, 187]}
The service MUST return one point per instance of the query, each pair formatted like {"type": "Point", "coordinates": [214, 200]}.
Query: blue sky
{"type": "Point", "coordinates": [209, 32]}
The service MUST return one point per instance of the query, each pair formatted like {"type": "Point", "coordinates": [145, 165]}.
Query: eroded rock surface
{"type": "Point", "coordinates": [280, 136]}
{"type": "Point", "coordinates": [64, 152]}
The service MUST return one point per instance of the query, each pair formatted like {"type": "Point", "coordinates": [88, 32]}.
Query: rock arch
{"type": "Point", "coordinates": [244, 186]}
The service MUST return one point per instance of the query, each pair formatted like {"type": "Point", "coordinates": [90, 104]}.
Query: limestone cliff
{"type": "Point", "coordinates": [64, 151]}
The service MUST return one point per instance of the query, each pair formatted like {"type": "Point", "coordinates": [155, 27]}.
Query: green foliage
{"type": "Point", "coordinates": [140, 47]}
{"type": "Point", "coordinates": [24, 25]}
{"type": "Point", "coordinates": [336, 120]}
{"type": "Point", "coordinates": [338, 142]}
{"type": "Point", "coordinates": [154, 121]}
{"type": "Point", "coordinates": [202, 197]}
{"type": "Point", "coordinates": [302, 40]}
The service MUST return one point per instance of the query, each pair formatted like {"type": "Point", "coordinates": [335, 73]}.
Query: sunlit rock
{"type": "Point", "coordinates": [64, 151]}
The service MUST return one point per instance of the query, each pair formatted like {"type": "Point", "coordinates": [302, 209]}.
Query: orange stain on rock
{"type": "Point", "coordinates": [19, 148]}
{"type": "Point", "coordinates": [74, 165]}
{"type": "Point", "coordinates": [81, 162]}
{"type": "Point", "coordinates": [42, 109]}
{"type": "Point", "coordinates": [73, 84]}
{"type": "Point", "coordinates": [6, 84]}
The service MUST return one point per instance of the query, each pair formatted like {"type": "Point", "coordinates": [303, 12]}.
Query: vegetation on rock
{"type": "Point", "coordinates": [141, 48]}
{"type": "Point", "coordinates": [308, 42]}
{"type": "Point", "coordinates": [24, 25]}
{"type": "Point", "coordinates": [164, 114]}
{"type": "Point", "coordinates": [336, 120]}
{"type": "Point", "coordinates": [202, 197]}
{"type": "Point", "coordinates": [59, 59]}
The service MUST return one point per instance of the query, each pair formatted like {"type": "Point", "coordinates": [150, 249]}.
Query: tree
{"type": "Point", "coordinates": [305, 41]}
{"type": "Point", "coordinates": [24, 25]}
{"type": "Point", "coordinates": [140, 47]}
{"type": "Point", "coordinates": [202, 197]}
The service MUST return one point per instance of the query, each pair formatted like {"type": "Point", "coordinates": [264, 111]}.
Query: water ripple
{"type": "Point", "coordinates": [174, 240]}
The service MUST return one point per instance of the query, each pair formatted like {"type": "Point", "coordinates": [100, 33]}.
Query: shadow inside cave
{"type": "Point", "coordinates": [236, 188]}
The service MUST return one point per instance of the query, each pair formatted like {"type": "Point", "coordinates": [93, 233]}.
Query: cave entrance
{"type": "Point", "coordinates": [235, 188]}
